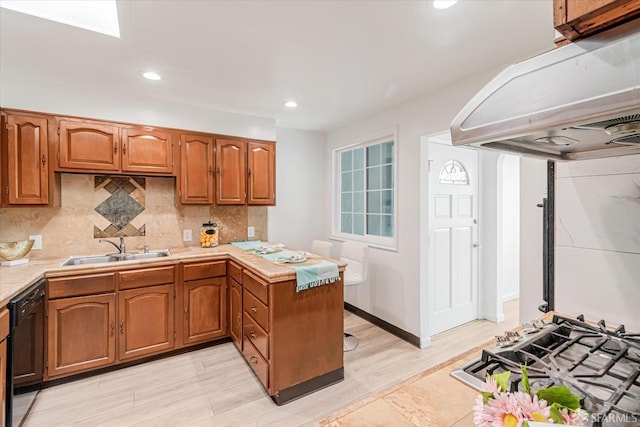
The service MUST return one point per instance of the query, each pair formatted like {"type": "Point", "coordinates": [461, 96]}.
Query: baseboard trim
{"type": "Point", "coordinates": [382, 324]}
{"type": "Point", "coordinates": [306, 387]}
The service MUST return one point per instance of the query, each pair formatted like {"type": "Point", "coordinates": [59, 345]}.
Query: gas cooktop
{"type": "Point", "coordinates": [601, 366]}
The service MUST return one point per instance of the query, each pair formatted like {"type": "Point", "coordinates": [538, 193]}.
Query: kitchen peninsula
{"type": "Point", "coordinates": [194, 296]}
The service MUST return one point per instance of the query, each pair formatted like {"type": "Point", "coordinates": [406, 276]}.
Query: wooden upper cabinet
{"type": "Point", "coordinates": [261, 158]}
{"type": "Point", "coordinates": [149, 151]}
{"type": "Point", "coordinates": [110, 147]}
{"type": "Point", "coordinates": [26, 152]}
{"type": "Point", "coordinates": [231, 158]}
{"type": "Point", "coordinates": [579, 18]}
{"type": "Point", "coordinates": [196, 169]}
{"type": "Point", "coordinates": [89, 146]}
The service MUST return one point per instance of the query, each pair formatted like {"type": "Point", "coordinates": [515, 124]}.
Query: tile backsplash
{"type": "Point", "coordinates": [144, 211]}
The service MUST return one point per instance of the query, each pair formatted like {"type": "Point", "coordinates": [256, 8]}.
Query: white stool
{"type": "Point", "coordinates": [356, 255]}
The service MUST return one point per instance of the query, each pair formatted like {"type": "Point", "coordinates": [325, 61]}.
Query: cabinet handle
{"type": "Point", "coordinates": [218, 171]}
{"type": "Point", "coordinates": [186, 312]}
{"type": "Point", "coordinates": [44, 161]}
{"type": "Point", "coordinates": [210, 170]}
{"type": "Point", "coordinates": [252, 335]}
{"type": "Point", "coordinates": [253, 359]}
{"type": "Point", "coordinates": [255, 310]}
{"type": "Point", "coordinates": [115, 148]}
{"type": "Point", "coordinates": [112, 326]}
{"type": "Point", "coordinates": [249, 172]}
{"type": "Point", "coordinates": [122, 326]}
{"type": "Point", "coordinates": [124, 148]}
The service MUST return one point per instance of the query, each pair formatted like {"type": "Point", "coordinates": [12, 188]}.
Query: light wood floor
{"type": "Point", "coordinates": [215, 387]}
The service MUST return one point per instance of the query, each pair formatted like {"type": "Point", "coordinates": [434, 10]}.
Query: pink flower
{"type": "Point", "coordinates": [501, 411]}
{"type": "Point", "coordinates": [532, 408]}
{"type": "Point", "coordinates": [491, 385]}
{"type": "Point", "coordinates": [573, 418]}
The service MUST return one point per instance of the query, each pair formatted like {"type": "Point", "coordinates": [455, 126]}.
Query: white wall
{"type": "Point", "coordinates": [509, 233]}
{"type": "Point", "coordinates": [598, 240]}
{"type": "Point", "coordinates": [533, 188]}
{"type": "Point", "coordinates": [298, 216]}
{"type": "Point", "coordinates": [393, 291]}
{"type": "Point", "coordinates": [42, 95]}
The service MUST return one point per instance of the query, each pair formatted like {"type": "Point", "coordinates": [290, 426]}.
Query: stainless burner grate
{"type": "Point", "coordinates": [601, 366]}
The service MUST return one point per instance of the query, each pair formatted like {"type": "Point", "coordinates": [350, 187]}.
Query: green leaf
{"type": "Point", "coordinates": [525, 380]}
{"type": "Point", "coordinates": [502, 380]}
{"type": "Point", "coordinates": [486, 395]}
{"type": "Point", "coordinates": [560, 395]}
{"type": "Point", "coordinates": [555, 415]}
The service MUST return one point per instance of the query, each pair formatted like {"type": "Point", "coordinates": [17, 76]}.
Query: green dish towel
{"type": "Point", "coordinates": [308, 276]}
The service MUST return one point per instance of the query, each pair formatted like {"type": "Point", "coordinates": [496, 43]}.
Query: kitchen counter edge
{"type": "Point", "coordinates": [14, 280]}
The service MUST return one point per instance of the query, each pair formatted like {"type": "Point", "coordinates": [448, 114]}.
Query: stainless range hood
{"type": "Point", "coordinates": [579, 101]}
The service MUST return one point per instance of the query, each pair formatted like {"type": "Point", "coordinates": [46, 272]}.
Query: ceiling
{"type": "Point", "coordinates": [341, 60]}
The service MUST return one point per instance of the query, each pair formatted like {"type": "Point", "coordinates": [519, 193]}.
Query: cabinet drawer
{"type": "Point", "coordinates": [204, 270]}
{"type": "Point", "coordinates": [256, 286]}
{"type": "Point", "coordinates": [146, 277]}
{"type": "Point", "coordinates": [235, 271]}
{"type": "Point", "coordinates": [252, 306]}
{"type": "Point", "coordinates": [256, 335]}
{"type": "Point", "coordinates": [256, 361]}
{"type": "Point", "coordinates": [81, 285]}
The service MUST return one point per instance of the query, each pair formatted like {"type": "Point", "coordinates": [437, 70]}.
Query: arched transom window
{"type": "Point", "coordinates": [453, 172]}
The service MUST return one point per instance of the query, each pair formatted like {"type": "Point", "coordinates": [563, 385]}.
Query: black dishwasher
{"type": "Point", "coordinates": [25, 351]}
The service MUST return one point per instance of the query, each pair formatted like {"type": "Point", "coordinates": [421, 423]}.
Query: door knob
{"type": "Point", "coordinates": [476, 245]}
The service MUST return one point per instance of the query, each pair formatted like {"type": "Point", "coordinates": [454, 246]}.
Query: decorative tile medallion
{"type": "Point", "coordinates": [119, 202]}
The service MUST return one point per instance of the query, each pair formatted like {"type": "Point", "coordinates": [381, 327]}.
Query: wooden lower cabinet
{"type": "Point", "coordinates": [235, 312]}
{"type": "Point", "coordinates": [281, 327]}
{"type": "Point", "coordinates": [204, 310]}
{"type": "Point", "coordinates": [145, 321]}
{"type": "Point", "coordinates": [80, 334]}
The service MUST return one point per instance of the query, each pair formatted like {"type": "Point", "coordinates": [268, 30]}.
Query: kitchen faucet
{"type": "Point", "coordinates": [120, 248]}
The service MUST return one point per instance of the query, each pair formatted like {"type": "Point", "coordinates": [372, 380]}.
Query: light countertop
{"type": "Point", "coordinates": [15, 279]}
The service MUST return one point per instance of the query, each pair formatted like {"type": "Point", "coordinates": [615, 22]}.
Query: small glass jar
{"type": "Point", "coordinates": [209, 235]}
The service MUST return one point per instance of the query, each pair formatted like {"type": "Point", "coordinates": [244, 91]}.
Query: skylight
{"type": "Point", "coordinates": [98, 16]}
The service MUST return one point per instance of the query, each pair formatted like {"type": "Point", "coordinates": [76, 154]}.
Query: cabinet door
{"type": "Point", "coordinates": [89, 146]}
{"type": "Point", "coordinates": [27, 160]}
{"type": "Point", "coordinates": [196, 171]}
{"type": "Point", "coordinates": [80, 334]}
{"type": "Point", "coordinates": [204, 310]}
{"type": "Point", "coordinates": [579, 18]}
{"type": "Point", "coordinates": [147, 151]}
{"type": "Point", "coordinates": [231, 157]}
{"type": "Point", "coordinates": [261, 173]}
{"type": "Point", "coordinates": [145, 321]}
{"type": "Point", "coordinates": [235, 313]}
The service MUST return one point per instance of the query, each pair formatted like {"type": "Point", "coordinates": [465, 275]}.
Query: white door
{"type": "Point", "coordinates": [453, 236]}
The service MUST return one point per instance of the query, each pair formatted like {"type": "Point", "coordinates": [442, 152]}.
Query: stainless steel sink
{"type": "Point", "coordinates": [100, 259]}
{"type": "Point", "coordinates": [146, 255]}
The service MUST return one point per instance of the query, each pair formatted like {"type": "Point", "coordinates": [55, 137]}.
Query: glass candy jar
{"type": "Point", "coordinates": [209, 235]}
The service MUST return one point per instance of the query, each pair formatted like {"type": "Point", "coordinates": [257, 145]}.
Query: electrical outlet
{"type": "Point", "coordinates": [186, 235]}
{"type": "Point", "coordinates": [37, 244]}
{"type": "Point", "coordinates": [251, 232]}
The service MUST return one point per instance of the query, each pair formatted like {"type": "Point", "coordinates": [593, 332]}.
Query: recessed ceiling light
{"type": "Point", "coordinates": [98, 16]}
{"type": "Point", "coordinates": [151, 75]}
{"type": "Point", "coordinates": [291, 104]}
{"type": "Point", "coordinates": [443, 4]}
